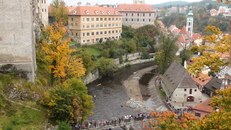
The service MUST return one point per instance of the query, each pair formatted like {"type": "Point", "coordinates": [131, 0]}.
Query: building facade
{"type": "Point", "coordinates": [42, 11]}
{"type": "Point", "coordinates": [137, 15]}
{"type": "Point", "coordinates": [91, 24]}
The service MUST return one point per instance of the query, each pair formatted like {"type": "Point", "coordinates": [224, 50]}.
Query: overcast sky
{"type": "Point", "coordinates": [93, 2]}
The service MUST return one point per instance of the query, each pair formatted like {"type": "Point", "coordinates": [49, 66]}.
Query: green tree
{"type": "Point", "coordinates": [59, 11]}
{"type": "Point", "coordinates": [87, 60]}
{"type": "Point", "coordinates": [166, 51]}
{"type": "Point", "coordinates": [106, 66]}
{"type": "Point", "coordinates": [68, 101]}
{"type": "Point", "coordinates": [185, 54]}
{"type": "Point", "coordinates": [132, 46]}
{"type": "Point", "coordinates": [63, 125]}
{"type": "Point", "coordinates": [105, 53]}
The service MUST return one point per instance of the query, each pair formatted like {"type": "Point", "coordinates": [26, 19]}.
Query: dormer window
{"type": "Point", "coordinates": [116, 12]}
{"type": "Point", "coordinates": [102, 12]}
{"type": "Point", "coordinates": [108, 12]}
{"type": "Point", "coordinates": [74, 12]}
{"type": "Point", "coordinates": [86, 11]}
{"type": "Point", "coordinates": [140, 8]}
{"type": "Point", "coordinates": [96, 12]}
{"type": "Point", "coordinates": [130, 8]}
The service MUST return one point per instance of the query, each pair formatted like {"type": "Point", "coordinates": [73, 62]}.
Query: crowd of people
{"type": "Point", "coordinates": [112, 122]}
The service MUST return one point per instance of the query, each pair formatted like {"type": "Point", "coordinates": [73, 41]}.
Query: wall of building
{"type": "Point", "coordinates": [17, 35]}
{"type": "Point", "coordinates": [42, 10]}
{"type": "Point", "coordinates": [90, 29]}
{"type": "Point", "coordinates": [138, 19]}
{"type": "Point", "coordinates": [180, 94]}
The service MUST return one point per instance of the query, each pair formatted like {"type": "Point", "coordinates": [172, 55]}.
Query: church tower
{"type": "Point", "coordinates": [189, 22]}
{"type": "Point", "coordinates": [139, 2]}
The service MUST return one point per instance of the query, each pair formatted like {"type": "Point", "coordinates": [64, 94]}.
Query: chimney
{"type": "Point", "coordinates": [79, 4]}
{"type": "Point", "coordinates": [96, 5]}
{"type": "Point", "coordinates": [88, 4]}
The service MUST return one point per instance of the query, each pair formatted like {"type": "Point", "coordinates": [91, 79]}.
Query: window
{"type": "Point", "coordinates": [126, 14]}
{"type": "Point", "coordinates": [116, 18]}
{"type": "Point", "coordinates": [185, 89]}
{"type": "Point", "coordinates": [113, 31]}
{"type": "Point", "coordinates": [101, 19]}
{"type": "Point", "coordinates": [83, 19]}
{"type": "Point", "coordinates": [190, 91]}
{"type": "Point", "coordinates": [76, 34]}
{"type": "Point", "coordinates": [137, 14]}
{"type": "Point", "coordinates": [150, 14]}
{"type": "Point", "coordinates": [109, 25]}
{"type": "Point", "coordinates": [75, 24]}
{"type": "Point", "coordinates": [143, 19]}
{"type": "Point", "coordinates": [137, 19]}
{"type": "Point", "coordinates": [88, 26]}
{"type": "Point", "coordinates": [101, 32]}
{"type": "Point", "coordinates": [92, 19]}
{"type": "Point", "coordinates": [83, 34]}
{"type": "Point", "coordinates": [132, 14]}
{"type": "Point", "coordinates": [143, 14]}
{"type": "Point", "coordinates": [109, 32]}
{"type": "Point", "coordinates": [132, 19]}
{"type": "Point", "coordinates": [87, 19]}
{"type": "Point", "coordinates": [83, 40]}
{"type": "Point", "coordinates": [116, 31]}
{"type": "Point", "coordinates": [83, 26]}
{"type": "Point", "coordinates": [126, 19]}
{"type": "Point", "coordinates": [101, 25]}
{"type": "Point", "coordinates": [97, 19]}
{"type": "Point", "coordinates": [97, 25]}
{"type": "Point", "coordinates": [97, 33]}
{"type": "Point", "coordinates": [88, 34]}
{"type": "Point", "coordinates": [92, 25]}
{"type": "Point", "coordinates": [195, 90]}
{"type": "Point", "coordinates": [149, 20]}
{"type": "Point", "coordinates": [105, 32]}
{"type": "Point", "coordinates": [197, 114]}
{"type": "Point", "coordinates": [109, 19]}
{"type": "Point", "coordinates": [92, 33]}
{"type": "Point", "coordinates": [112, 19]}
{"type": "Point", "coordinates": [105, 25]}
{"type": "Point", "coordinates": [105, 19]}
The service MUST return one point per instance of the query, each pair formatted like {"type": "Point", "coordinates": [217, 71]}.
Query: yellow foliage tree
{"type": "Point", "coordinates": [58, 54]}
{"type": "Point", "coordinates": [211, 57]}
{"type": "Point", "coordinates": [59, 11]}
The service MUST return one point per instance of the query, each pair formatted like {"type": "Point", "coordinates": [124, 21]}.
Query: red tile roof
{"type": "Point", "coordinates": [160, 23]}
{"type": "Point", "coordinates": [196, 36]}
{"type": "Point", "coordinates": [202, 79]}
{"type": "Point", "coordinates": [224, 55]}
{"type": "Point", "coordinates": [92, 10]}
{"type": "Point", "coordinates": [205, 106]}
{"type": "Point", "coordinates": [183, 39]}
{"type": "Point", "coordinates": [135, 8]}
{"type": "Point", "coordinates": [183, 30]}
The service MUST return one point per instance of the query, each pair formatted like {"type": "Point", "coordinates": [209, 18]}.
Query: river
{"type": "Point", "coordinates": [110, 95]}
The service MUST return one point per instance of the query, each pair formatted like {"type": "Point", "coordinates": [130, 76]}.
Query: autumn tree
{"type": "Point", "coordinates": [166, 51]}
{"type": "Point", "coordinates": [168, 120]}
{"type": "Point", "coordinates": [59, 11]}
{"type": "Point", "coordinates": [211, 57]}
{"type": "Point", "coordinates": [58, 54]}
{"type": "Point", "coordinates": [68, 101]}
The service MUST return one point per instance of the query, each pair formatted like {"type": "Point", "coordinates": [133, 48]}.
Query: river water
{"type": "Point", "coordinates": [110, 95]}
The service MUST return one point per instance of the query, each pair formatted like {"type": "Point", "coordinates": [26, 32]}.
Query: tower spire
{"type": "Point", "coordinates": [189, 22]}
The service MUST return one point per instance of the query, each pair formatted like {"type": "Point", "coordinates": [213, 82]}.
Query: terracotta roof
{"type": "Point", "coordinates": [214, 84]}
{"type": "Point", "coordinates": [183, 39]}
{"type": "Point", "coordinates": [224, 55]}
{"type": "Point", "coordinates": [177, 31]}
{"type": "Point", "coordinates": [92, 10]}
{"type": "Point", "coordinates": [196, 36]}
{"type": "Point", "coordinates": [214, 12]}
{"type": "Point", "coordinates": [160, 23]}
{"type": "Point", "coordinates": [202, 79]}
{"type": "Point", "coordinates": [176, 76]}
{"type": "Point", "coordinates": [205, 106]}
{"type": "Point", "coordinates": [162, 29]}
{"type": "Point", "coordinates": [183, 31]}
{"type": "Point", "coordinates": [172, 27]}
{"type": "Point", "coordinates": [135, 8]}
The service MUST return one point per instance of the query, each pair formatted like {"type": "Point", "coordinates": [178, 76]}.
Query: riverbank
{"type": "Point", "coordinates": [133, 89]}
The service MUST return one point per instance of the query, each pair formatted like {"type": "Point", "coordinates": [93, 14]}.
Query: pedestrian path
{"type": "Point", "coordinates": [158, 104]}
